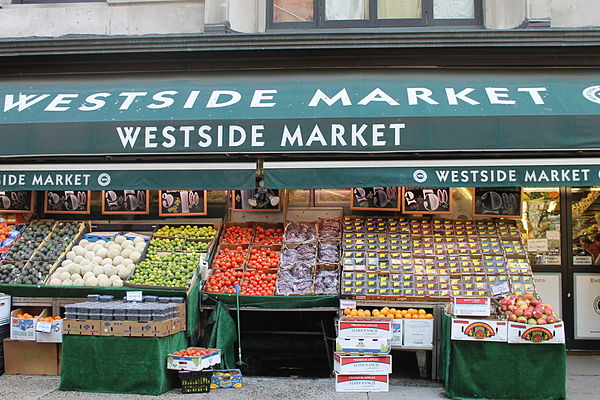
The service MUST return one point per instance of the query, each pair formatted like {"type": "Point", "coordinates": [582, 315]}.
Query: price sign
{"type": "Point", "coordinates": [537, 245]}
{"type": "Point", "coordinates": [44, 327]}
{"type": "Point", "coordinates": [497, 202]}
{"type": "Point", "coordinates": [67, 202]}
{"type": "Point", "coordinates": [125, 202]}
{"type": "Point", "coordinates": [501, 289]}
{"type": "Point", "coordinates": [16, 201]}
{"type": "Point", "coordinates": [375, 198]}
{"type": "Point", "coordinates": [134, 296]}
{"type": "Point", "coordinates": [471, 306]}
{"type": "Point", "coordinates": [182, 203]}
{"type": "Point", "coordinates": [347, 303]}
{"type": "Point", "coordinates": [425, 200]}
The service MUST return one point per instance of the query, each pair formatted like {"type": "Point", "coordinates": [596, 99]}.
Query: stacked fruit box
{"type": "Point", "coordinates": [362, 362]}
{"type": "Point", "coordinates": [4, 326]}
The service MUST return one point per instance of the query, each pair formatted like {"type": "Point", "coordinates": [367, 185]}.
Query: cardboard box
{"type": "Point", "coordinates": [24, 328]}
{"type": "Point", "coordinates": [4, 309]}
{"type": "Point", "coordinates": [397, 331]}
{"type": "Point", "coordinates": [365, 327]}
{"type": "Point", "coordinates": [180, 363]}
{"type": "Point", "coordinates": [362, 383]}
{"type": "Point", "coordinates": [77, 327]}
{"type": "Point", "coordinates": [544, 334]}
{"type": "Point", "coordinates": [369, 345]}
{"type": "Point", "coordinates": [352, 364]}
{"type": "Point", "coordinates": [418, 333]}
{"type": "Point", "coordinates": [31, 358]}
{"type": "Point", "coordinates": [484, 330]}
{"type": "Point", "coordinates": [53, 336]}
{"type": "Point", "coordinates": [226, 378]}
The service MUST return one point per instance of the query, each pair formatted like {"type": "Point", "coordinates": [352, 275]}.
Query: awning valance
{"type": "Point", "coordinates": [435, 173]}
{"type": "Point", "coordinates": [175, 176]}
{"type": "Point", "coordinates": [301, 111]}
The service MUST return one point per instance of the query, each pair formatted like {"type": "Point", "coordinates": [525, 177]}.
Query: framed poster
{"type": "Point", "coordinates": [67, 202]}
{"type": "Point", "coordinates": [182, 203]}
{"type": "Point", "coordinates": [15, 202]}
{"type": "Point", "coordinates": [332, 197]}
{"type": "Point", "coordinates": [498, 202]}
{"type": "Point", "coordinates": [299, 197]}
{"type": "Point", "coordinates": [587, 306]}
{"type": "Point", "coordinates": [375, 198]}
{"type": "Point", "coordinates": [266, 200]}
{"type": "Point", "coordinates": [126, 202]}
{"type": "Point", "coordinates": [425, 200]}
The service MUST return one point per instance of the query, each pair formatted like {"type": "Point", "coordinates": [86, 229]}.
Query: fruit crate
{"type": "Point", "coordinates": [335, 270]}
{"type": "Point", "coordinates": [289, 227]}
{"type": "Point", "coordinates": [251, 225]}
{"type": "Point", "coordinates": [83, 229]}
{"type": "Point", "coordinates": [195, 381]}
{"type": "Point", "coordinates": [322, 221]}
{"type": "Point", "coordinates": [176, 225]}
{"type": "Point", "coordinates": [266, 226]}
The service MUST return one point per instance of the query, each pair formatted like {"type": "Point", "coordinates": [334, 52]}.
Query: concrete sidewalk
{"type": "Point", "coordinates": [583, 383]}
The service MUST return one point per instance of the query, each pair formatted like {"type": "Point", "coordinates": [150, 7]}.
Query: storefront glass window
{"type": "Point", "coordinates": [393, 9]}
{"type": "Point", "coordinates": [541, 225]}
{"type": "Point", "coordinates": [336, 10]}
{"type": "Point", "coordinates": [293, 10]}
{"type": "Point", "coordinates": [586, 231]}
{"type": "Point", "coordinates": [453, 9]}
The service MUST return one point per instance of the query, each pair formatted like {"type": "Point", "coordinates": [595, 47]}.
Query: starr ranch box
{"type": "Point", "coordinates": [365, 327]}
{"type": "Point", "coordinates": [484, 330]}
{"type": "Point", "coordinates": [352, 364]}
{"type": "Point", "coordinates": [362, 383]}
{"type": "Point", "coordinates": [368, 345]}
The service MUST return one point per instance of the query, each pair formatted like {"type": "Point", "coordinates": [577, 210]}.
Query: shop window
{"type": "Point", "coordinates": [585, 208]}
{"type": "Point", "coordinates": [55, 1]}
{"type": "Point", "coordinates": [310, 14]}
{"type": "Point", "coordinates": [541, 225]}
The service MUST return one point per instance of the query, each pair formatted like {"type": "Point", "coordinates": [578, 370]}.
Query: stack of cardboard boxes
{"type": "Point", "coordinates": [362, 362]}
{"type": "Point", "coordinates": [34, 348]}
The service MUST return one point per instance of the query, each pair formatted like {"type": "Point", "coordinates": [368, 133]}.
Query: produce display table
{"type": "Point", "coordinates": [491, 370]}
{"type": "Point", "coordinates": [119, 364]}
{"type": "Point", "coordinates": [23, 294]}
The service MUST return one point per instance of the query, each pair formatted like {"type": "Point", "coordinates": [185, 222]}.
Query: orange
{"type": "Point", "coordinates": [347, 311]}
{"type": "Point", "coordinates": [422, 312]}
{"type": "Point", "coordinates": [385, 310]}
{"type": "Point", "coordinates": [393, 310]}
{"type": "Point", "coordinates": [421, 316]}
{"type": "Point", "coordinates": [367, 313]}
{"type": "Point", "coordinates": [399, 315]}
{"type": "Point", "coordinates": [20, 316]}
{"type": "Point", "coordinates": [375, 313]}
{"type": "Point", "coordinates": [429, 316]}
{"type": "Point", "coordinates": [408, 316]}
{"type": "Point", "coordinates": [404, 312]}
{"type": "Point", "coordinates": [361, 313]}
{"type": "Point", "coordinates": [354, 313]}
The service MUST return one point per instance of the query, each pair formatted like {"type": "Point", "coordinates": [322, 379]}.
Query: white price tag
{"type": "Point", "coordinates": [44, 327]}
{"type": "Point", "coordinates": [347, 303]}
{"type": "Point", "coordinates": [134, 296]}
{"type": "Point", "coordinates": [553, 235]}
{"type": "Point", "coordinates": [471, 306]}
{"type": "Point", "coordinates": [583, 260]}
{"type": "Point", "coordinates": [500, 289]}
{"type": "Point", "coordinates": [537, 245]}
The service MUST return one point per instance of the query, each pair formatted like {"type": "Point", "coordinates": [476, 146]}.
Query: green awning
{"type": "Point", "coordinates": [158, 176]}
{"type": "Point", "coordinates": [301, 111]}
{"type": "Point", "coordinates": [434, 173]}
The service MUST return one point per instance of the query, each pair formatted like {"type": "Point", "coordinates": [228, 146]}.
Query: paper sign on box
{"type": "Point", "coordinates": [418, 333]}
{"type": "Point", "coordinates": [53, 333]}
{"type": "Point", "coordinates": [471, 306]}
{"type": "Point", "coordinates": [397, 332]}
{"type": "Point", "coordinates": [365, 328]}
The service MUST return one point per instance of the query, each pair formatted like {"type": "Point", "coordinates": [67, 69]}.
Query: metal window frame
{"type": "Point", "coordinates": [427, 19]}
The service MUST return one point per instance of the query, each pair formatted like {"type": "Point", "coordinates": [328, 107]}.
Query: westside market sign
{"type": "Point", "coordinates": [300, 111]}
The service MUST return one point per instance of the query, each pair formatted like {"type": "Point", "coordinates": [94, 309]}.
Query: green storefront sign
{"type": "Point", "coordinates": [346, 111]}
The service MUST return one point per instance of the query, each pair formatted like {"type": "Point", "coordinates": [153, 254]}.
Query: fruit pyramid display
{"type": "Point", "coordinates": [100, 263]}
{"type": "Point", "coordinates": [527, 309]}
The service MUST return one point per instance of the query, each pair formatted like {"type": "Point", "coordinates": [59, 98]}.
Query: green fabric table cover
{"type": "Point", "coordinates": [192, 298]}
{"type": "Point", "coordinates": [493, 371]}
{"type": "Point", "coordinates": [276, 302]}
{"type": "Point", "coordinates": [119, 364]}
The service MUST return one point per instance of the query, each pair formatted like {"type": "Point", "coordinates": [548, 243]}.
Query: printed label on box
{"type": "Point", "coordinates": [23, 328]}
{"type": "Point", "coordinates": [479, 330]}
{"type": "Point", "coordinates": [364, 364]}
{"type": "Point", "coordinates": [536, 334]}
{"type": "Point", "coordinates": [362, 383]}
{"type": "Point", "coordinates": [397, 325]}
{"type": "Point", "coordinates": [367, 345]}
{"type": "Point", "coordinates": [365, 328]}
{"type": "Point", "coordinates": [49, 332]}
{"type": "Point", "coordinates": [471, 306]}
{"type": "Point", "coordinates": [418, 333]}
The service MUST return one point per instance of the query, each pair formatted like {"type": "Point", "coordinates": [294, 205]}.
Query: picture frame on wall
{"type": "Point", "coordinates": [67, 201]}
{"type": "Point", "coordinates": [17, 201]}
{"type": "Point", "coordinates": [126, 202]}
{"type": "Point", "coordinates": [257, 200]}
{"type": "Point", "coordinates": [182, 203]}
{"type": "Point", "coordinates": [376, 198]}
{"type": "Point", "coordinates": [498, 202]}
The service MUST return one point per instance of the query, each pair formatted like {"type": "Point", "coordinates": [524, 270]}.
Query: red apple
{"type": "Point", "coordinates": [528, 296]}
{"type": "Point", "coordinates": [504, 302]}
{"type": "Point", "coordinates": [512, 317]}
{"type": "Point", "coordinates": [537, 313]}
{"type": "Point", "coordinates": [535, 303]}
{"type": "Point", "coordinates": [518, 312]}
{"type": "Point", "coordinates": [522, 319]}
{"type": "Point", "coordinates": [532, 321]}
{"type": "Point", "coordinates": [528, 314]}
{"type": "Point", "coordinates": [551, 319]}
{"type": "Point", "coordinates": [541, 321]}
